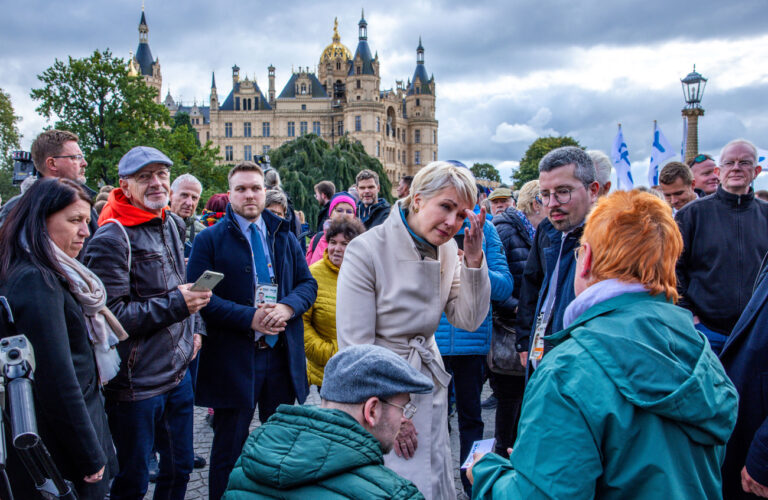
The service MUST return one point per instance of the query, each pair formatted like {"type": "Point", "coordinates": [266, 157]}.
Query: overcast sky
{"type": "Point", "coordinates": [506, 72]}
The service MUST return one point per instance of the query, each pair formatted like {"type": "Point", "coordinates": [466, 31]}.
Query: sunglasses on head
{"type": "Point", "coordinates": [701, 158]}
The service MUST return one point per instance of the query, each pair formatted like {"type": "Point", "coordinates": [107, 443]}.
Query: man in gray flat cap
{"type": "Point", "coordinates": [335, 450]}
{"type": "Point", "coordinates": [138, 254]}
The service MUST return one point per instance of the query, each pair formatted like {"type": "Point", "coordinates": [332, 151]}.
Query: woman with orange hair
{"type": "Point", "coordinates": [631, 402]}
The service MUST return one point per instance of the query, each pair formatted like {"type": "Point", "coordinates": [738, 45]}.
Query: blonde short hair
{"type": "Point", "coordinates": [438, 175]}
{"type": "Point", "coordinates": [526, 200]}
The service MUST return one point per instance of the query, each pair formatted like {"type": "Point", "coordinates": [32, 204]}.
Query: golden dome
{"type": "Point", "coordinates": [336, 48]}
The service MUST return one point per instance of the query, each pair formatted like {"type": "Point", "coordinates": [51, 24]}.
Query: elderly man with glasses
{"type": "Point", "coordinates": [337, 449]}
{"type": "Point", "coordinates": [568, 188]}
{"type": "Point", "coordinates": [724, 241]}
{"type": "Point", "coordinates": [138, 254]}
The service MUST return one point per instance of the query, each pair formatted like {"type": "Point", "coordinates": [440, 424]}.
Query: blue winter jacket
{"type": "Point", "coordinates": [227, 370]}
{"type": "Point", "coordinates": [454, 341]}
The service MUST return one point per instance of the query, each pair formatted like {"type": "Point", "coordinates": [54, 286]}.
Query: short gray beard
{"type": "Point", "coordinates": [156, 205]}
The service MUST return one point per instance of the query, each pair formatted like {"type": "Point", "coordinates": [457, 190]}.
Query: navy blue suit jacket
{"type": "Point", "coordinates": [745, 358]}
{"type": "Point", "coordinates": [225, 376]}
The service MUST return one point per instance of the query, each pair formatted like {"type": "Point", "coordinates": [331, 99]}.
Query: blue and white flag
{"type": "Point", "coordinates": [685, 138]}
{"type": "Point", "coordinates": [661, 150]}
{"type": "Point", "coordinates": [762, 158]}
{"type": "Point", "coordinates": [620, 159]}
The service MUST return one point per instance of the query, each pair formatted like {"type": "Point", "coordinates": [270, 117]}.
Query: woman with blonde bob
{"type": "Point", "coordinates": [396, 281]}
{"type": "Point", "coordinates": [631, 402]}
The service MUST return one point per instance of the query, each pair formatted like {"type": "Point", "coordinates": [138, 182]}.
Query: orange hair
{"type": "Point", "coordinates": [634, 238]}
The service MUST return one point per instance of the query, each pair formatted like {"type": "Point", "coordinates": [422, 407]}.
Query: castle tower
{"type": "Point", "coordinates": [214, 94]}
{"type": "Point", "coordinates": [420, 110]}
{"type": "Point", "coordinates": [271, 92]}
{"type": "Point", "coordinates": [333, 67]}
{"type": "Point", "coordinates": [147, 67]}
{"type": "Point", "coordinates": [363, 80]}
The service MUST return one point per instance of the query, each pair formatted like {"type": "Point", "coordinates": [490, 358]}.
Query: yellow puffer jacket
{"type": "Point", "coordinates": [320, 320]}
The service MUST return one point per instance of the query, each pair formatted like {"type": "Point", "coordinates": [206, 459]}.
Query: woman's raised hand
{"type": "Point", "coordinates": [473, 238]}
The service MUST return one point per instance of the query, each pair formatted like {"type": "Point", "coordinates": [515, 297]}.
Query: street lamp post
{"type": "Point", "coordinates": [693, 90]}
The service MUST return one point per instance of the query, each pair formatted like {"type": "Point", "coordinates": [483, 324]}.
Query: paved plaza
{"type": "Point", "coordinates": [198, 483]}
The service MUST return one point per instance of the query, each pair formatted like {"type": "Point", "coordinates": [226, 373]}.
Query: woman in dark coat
{"type": "Point", "coordinates": [69, 334]}
{"type": "Point", "coordinates": [516, 228]}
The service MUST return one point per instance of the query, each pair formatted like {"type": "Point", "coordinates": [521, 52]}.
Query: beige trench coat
{"type": "Point", "coordinates": [387, 295]}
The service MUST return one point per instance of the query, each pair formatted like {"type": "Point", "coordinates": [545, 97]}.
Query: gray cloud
{"type": "Point", "coordinates": [465, 43]}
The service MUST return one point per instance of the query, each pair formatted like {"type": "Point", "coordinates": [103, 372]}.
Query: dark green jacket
{"type": "Point", "coordinates": [307, 452]}
{"type": "Point", "coordinates": [631, 403]}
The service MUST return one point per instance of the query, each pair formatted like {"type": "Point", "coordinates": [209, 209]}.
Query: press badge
{"type": "Point", "coordinates": [538, 339]}
{"type": "Point", "coordinates": [266, 294]}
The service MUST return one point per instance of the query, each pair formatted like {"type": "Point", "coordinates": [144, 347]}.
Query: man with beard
{"type": "Point", "coordinates": [57, 154]}
{"type": "Point", "coordinates": [371, 210]}
{"type": "Point", "coordinates": [138, 254]}
{"type": "Point", "coordinates": [336, 450]}
{"type": "Point", "coordinates": [568, 188]}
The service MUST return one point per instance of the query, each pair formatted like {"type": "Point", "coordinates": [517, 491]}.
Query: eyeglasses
{"type": "Point", "coordinates": [740, 164]}
{"type": "Point", "coordinates": [409, 410]}
{"type": "Point", "coordinates": [576, 252]}
{"type": "Point", "coordinates": [562, 196]}
{"type": "Point", "coordinates": [538, 199]}
{"type": "Point", "coordinates": [144, 177]}
{"type": "Point", "coordinates": [71, 157]}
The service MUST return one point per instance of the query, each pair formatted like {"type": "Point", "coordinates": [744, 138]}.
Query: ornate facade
{"type": "Point", "coordinates": [343, 96]}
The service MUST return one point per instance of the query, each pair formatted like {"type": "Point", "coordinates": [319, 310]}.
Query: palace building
{"type": "Point", "coordinates": [343, 96]}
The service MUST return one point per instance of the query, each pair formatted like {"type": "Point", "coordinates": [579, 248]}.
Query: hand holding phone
{"type": "Point", "coordinates": [207, 281]}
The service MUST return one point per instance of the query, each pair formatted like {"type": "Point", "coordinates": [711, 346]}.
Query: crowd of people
{"type": "Point", "coordinates": [621, 332]}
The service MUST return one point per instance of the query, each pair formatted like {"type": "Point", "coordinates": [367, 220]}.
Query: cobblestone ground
{"type": "Point", "coordinates": [198, 483]}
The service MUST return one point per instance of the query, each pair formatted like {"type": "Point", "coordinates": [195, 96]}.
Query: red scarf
{"type": "Point", "coordinates": [118, 207]}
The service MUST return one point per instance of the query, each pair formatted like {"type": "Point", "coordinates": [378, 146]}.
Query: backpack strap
{"type": "Point", "coordinates": [127, 239]}
{"type": "Point", "coordinates": [316, 241]}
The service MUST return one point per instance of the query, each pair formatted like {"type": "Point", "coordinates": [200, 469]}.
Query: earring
{"type": "Point", "coordinates": [415, 210]}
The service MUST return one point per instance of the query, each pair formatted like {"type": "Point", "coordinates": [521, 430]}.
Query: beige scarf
{"type": "Point", "coordinates": [104, 330]}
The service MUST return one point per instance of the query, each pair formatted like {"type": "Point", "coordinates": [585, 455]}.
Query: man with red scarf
{"type": "Point", "coordinates": [138, 254]}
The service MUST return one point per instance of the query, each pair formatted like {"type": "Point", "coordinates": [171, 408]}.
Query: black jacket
{"type": "Point", "coordinates": [147, 302]}
{"type": "Point", "coordinates": [745, 359]}
{"type": "Point", "coordinates": [517, 244]}
{"type": "Point", "coordinates": [322, 216]}
{"type": "Point", "coordinates": [536, 276]}
{"type": "Point", "coordinates": [68, 404]}
{"type": "Point", "coordinates": [373, 215]}
{"type": "Point", "coordinates": [724, 241]}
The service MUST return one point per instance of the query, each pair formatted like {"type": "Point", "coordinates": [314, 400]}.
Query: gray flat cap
{"type": "Point", "coordinates": [359, 372]}
{"type": "Point", "coordinates": [138, 158]}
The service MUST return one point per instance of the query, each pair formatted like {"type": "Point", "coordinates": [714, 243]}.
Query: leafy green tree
{"type": "Point", "coordinates": [529, 165]}
{"type": "Point", "coordinates": [112, 112]}
{"type": "Point", "coordinates": [485, 171]}
{"type": "Point", "coordinates": [9, 140]}
{"type": "Point", "coordinates": [307, 160]}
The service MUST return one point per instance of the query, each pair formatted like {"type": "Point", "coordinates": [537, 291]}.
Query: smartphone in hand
{"type": "Point", "coordinates": [207, 281]}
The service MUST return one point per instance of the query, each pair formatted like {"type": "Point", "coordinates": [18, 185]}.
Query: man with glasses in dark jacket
{"type": "Point", "coordinates": [567, 188]}
{"type": "Point", "coordinates": [138, 254]}
{"type": "Point", "coordinates": [724, 241]}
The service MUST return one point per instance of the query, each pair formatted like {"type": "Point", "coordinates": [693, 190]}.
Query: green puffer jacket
{"type": "Point", "coordinates": [631, 403]}
{"type": "Point", "coordinates": [307, 452]}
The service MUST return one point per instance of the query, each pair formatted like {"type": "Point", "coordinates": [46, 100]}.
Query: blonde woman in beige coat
{"type": "Point", "coordinates": [395, 282]}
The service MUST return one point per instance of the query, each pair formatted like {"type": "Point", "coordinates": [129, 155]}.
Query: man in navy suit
{"type": "Point", "coordinates": [253, 353]}
{"type": "Point", "coordinates": [745, 359]}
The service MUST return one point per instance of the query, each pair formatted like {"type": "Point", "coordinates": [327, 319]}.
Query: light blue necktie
{"type": "Point", "coordinates": [262, 269]}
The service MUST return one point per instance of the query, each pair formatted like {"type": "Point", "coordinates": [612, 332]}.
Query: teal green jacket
{"type": "Point", "coordinates": [631, 403]}
{"type": "Point", "coordinates": [306, 452]}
